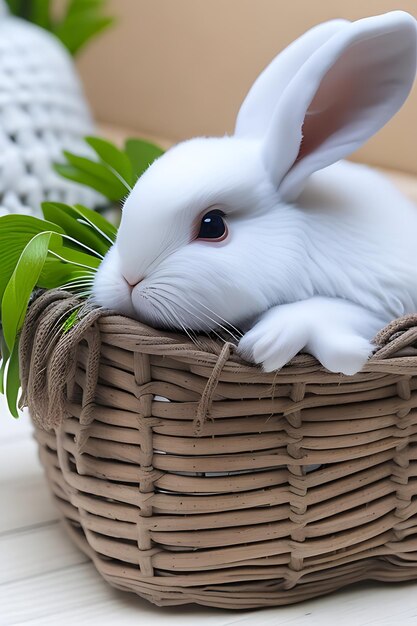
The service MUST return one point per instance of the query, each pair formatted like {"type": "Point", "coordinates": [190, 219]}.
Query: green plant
{"type": "Point", "coordinates": [116, 170]}
{"type": "Point", "coordinates": [64, 249]}
{"type": "Point", "coordinates": [80, 22]}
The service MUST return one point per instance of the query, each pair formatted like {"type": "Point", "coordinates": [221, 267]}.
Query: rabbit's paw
{"type": "Point", "coordinates": [335, 332]}
{"type": "Point", "coordinates": [344, 354]}
{"type": "Point", "coordinates": [275, 339]}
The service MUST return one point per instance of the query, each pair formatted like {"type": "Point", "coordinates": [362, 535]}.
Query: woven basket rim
{"type": "Point", "coordinates": [395, 341]}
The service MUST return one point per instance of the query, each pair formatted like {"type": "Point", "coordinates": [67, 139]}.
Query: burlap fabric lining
{"type": "Point", "coordinates": [246, 489]}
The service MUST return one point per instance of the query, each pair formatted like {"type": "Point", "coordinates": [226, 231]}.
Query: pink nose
{"type": "Point", "coordinates": [132, 284]}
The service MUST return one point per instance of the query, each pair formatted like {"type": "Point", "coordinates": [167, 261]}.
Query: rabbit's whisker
{"type": "Point", "coordinates": [227, 330]}
{"type": "Point", "coordinates": [188, 312]}
{"type": "Point", "coordinates": [175, 319]}
{"type": "Point", "coordinates": [165, 294]}
{"type": "Point", "coordinates": [228, 324]}
{"type": "Point", "coordinates": [165, 288]}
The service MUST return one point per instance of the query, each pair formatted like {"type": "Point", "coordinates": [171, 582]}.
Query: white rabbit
{"type": "Point", "coordinates": [265, 229]}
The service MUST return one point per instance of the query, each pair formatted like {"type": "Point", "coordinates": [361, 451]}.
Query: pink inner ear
{"type": "Point", "coordinates": [348, 94]}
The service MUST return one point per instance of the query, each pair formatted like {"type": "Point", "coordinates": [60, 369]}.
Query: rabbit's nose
{"type": "Point", "coordinates": [132, 284]}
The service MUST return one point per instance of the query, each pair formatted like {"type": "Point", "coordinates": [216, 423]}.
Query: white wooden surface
{"type": "Point", "coordinates": [45, 580]}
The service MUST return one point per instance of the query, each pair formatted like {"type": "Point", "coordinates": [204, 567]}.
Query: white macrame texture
{"type": "Point", "coordinates": [42, 112]}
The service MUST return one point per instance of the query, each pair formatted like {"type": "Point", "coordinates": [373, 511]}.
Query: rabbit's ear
{"type": "Point", "coordinates": [346, 91]}
{"type": "Point", "coordinates": [258, 107]}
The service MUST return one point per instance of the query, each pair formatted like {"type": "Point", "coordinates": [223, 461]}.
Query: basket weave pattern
{"type": "Point", "coordinates": [246, 489]}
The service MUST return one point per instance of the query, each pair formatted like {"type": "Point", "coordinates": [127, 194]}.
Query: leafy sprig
{"type": "Point", "coordinates": [116, 170]}
{"type": "Point", "coordinates": [62, 251]}
{"type": "Point", "coordinates": [81, 21]}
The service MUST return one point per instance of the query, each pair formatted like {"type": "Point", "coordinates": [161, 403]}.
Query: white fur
{"type": "Point", "coordinates": [319, 256]}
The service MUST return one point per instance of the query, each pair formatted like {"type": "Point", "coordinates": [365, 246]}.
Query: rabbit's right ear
{"type": "Point", "coordinates": [259, 105]}
{"type": "Point", "coordinates": [341, 96]}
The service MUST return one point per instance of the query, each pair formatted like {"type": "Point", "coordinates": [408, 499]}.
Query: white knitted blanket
{"type": "Point", "coordinates": [42, 112]}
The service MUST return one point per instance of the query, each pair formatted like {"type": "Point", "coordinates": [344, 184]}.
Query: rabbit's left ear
{"type": "Point", "coordinates": [258, 107]}
{"type": "Point", "coordinates": [343, 94]}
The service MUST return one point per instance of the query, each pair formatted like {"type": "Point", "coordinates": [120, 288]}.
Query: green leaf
{"type": "Point", "coordinates": [81, 177]}
{"type": "Point", "coordinates": [83, 19]}
{"type": "Point", "coordinates": [141, 154]}
{"type": "Point", "coordinates": [70, 321]}
{"type": "Point", "coordinates": [41, 13]}
{"type": "Point", "coordinates": [76, 6]}
{"type": "Point", "coordinates": [97, 221]}
{"type": "Point", "coordinates": [78, 28]}
{"type": "Point", "coordinates": [75, 257]}
{"type": "Point", "coordinates": [68, 219]}
{"type": "Point", "coordinates": [15, 233]}
{"type": "Point", "coordinates": [116, 160]}
{"type": "Point", "coordinates": [13, 381]}
{"type": "Point", "coordinates": [78, 176]}
{"type": "Point", "coordinates": [99, 176]}
{"type": "Point", "coordinates": [118, 170]}
{"type": "Point", "coordinates": [55, 274]}
{"type": "Point", "coordinates": [15, 224]}
{"type": "Point", "coordinates": [21, 284]}
{"type": "Point", "coordinates": [5, 355]}
{"type": "Point", "coordinates": [14, 6]}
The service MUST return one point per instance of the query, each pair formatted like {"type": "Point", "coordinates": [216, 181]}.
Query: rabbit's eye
{"type": "Point", "coordinates": [212, 226]}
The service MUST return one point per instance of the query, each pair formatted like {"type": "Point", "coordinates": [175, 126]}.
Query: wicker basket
{"type": "Point", "coordinates": [246, 489]}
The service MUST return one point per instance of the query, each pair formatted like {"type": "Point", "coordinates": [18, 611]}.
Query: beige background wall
{"type": "Point", "coordinates": [178, 68]}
